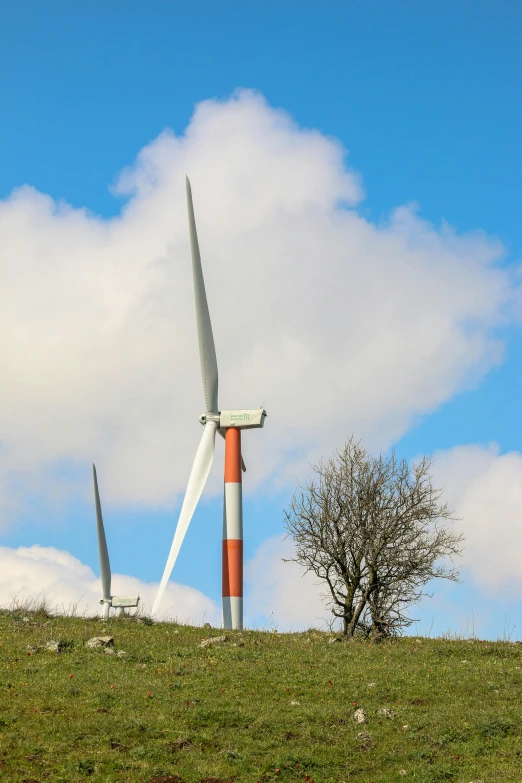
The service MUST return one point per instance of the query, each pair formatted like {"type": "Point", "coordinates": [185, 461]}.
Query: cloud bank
{"type": "Point", "coordinates": [31, 573]}
{"type": "Point", "coordinates": [484, 488]}
{"type": "Point", "coordinates": [279, 594]}
{"type": "Point", "coordinates": [335, 324]}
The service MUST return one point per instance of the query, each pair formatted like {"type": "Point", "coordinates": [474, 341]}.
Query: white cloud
{"type": "Point", "coordinates": [481, 486]}
{"type": "Point", "coordinates": [334, 323]}
{"type": "Point", "coordinates": [484, 488]}
{"type": "Point", "coordinates": [30, 573]}
{"type": "Point", "coordinates": [280, 594]}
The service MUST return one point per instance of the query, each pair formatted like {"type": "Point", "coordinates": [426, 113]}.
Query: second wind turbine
{"type": "Point", "coordinates": [229, 424]}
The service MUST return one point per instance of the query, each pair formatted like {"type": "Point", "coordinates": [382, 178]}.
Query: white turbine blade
{"type": "Point", "coordinates": [207, 350]}
{"type": "Point", "coordinates": [103, 552]}
{"type": "Point", "coordinates": [196, 482]}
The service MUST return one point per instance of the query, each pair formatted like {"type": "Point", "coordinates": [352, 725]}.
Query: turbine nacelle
{"type": "Point", "coordinates": [240, 419]}
{"type": "Point", "coordinates": [121, 603]}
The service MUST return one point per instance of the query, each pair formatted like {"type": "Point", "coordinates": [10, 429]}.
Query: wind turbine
{"type": "Point", "coordinates": [229, 424]}
{"type": "Point", "coordinates": [108, 600]}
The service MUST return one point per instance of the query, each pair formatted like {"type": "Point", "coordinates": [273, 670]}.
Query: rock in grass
{"type": "Point", "coordinates": [100, 641]}
{"type": "Point", "coordinates": [57, 647]}
{"type": "Point", "coordinates": [386, 712]}
{"type": "Point", "coordinates": [121, 653]}
{"type": "Point", "coordinates": [335, 639]}
{"type": "Point", "coordinates": [359, 716]}
{"type": "Point", "coordinates": [213, 640]}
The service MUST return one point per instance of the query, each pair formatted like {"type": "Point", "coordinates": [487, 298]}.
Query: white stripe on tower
{"type": "Point", "coordinates": [233, 533]}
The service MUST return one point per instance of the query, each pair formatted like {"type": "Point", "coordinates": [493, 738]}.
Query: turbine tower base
{"type": "Point", "coordinates": [232, 613]}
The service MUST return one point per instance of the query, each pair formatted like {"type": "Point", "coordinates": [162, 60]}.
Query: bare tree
{"type": "Point", "coordinates": [370, 527]}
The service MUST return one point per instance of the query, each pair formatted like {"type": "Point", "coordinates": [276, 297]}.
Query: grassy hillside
{"type": "Point", "coordinates": [258, 707]}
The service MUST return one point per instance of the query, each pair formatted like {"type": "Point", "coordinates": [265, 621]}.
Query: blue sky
{"type": "Point", "coordinates": [425, 100]}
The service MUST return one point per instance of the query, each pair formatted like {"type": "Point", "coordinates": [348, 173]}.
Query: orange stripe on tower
{"type": "Point", "coordinates": [233, 456]}
{"type": "Point", "coordinates": [232, 568]}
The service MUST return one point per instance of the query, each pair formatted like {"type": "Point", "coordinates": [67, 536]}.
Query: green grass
{"type": "Point", "coordinates": [169, 708]}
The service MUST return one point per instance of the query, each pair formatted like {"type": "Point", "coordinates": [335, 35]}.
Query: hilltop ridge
{"type": "Point", "coordinates": [257, 706]}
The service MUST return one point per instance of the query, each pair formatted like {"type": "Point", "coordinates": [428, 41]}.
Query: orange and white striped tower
{"type": "Point", "coordinates": [232, 591]}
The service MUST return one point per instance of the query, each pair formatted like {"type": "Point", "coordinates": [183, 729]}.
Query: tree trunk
{"type": "Point", "coordinates": [352, 624]}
